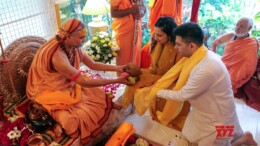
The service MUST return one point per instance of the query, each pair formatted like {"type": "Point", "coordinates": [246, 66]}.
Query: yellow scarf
{"type": "Point", "coordinates": [180, 73]}
{"type": "Point", "coordinates": [161, 63]}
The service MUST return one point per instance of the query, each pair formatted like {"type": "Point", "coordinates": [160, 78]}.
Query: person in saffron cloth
{"type": "Point", "coordinates": [73, 99]}
{"type": "Point", "coordinates": [203, 80]}
{"type": "Point", "coordinates": [124, 13]}
{"type": "Point", "coordinates": [164, 56]}
{"type": "Point", "coordinates": [240, 53]}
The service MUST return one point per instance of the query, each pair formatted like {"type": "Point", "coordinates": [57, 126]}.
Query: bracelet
{"type": "Point", "coordinates": [75, 76]}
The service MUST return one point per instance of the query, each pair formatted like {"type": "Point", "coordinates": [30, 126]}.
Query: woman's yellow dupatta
{"type": "Point", "coordinates": [129, 92]}
{"type": "Point", "coordinates": [180, 73]}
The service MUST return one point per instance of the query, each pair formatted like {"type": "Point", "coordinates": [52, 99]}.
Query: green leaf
{"type": "Point", "coordinates": [257, 17]}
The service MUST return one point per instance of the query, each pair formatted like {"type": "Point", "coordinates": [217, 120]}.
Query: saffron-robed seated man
{"type": "Point", "coordinates": [73, 100]}
{"type": "Point", "coordinates": [240, 53]}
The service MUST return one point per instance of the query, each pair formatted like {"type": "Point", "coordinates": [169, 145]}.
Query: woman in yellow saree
{"type": "Point", "coordinates": [163, 56]}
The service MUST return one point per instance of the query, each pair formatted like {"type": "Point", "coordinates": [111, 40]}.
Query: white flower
{"type": "Point", "coordinates": [14, 133]}
{"type": "Point", "coordinates": [101, 36]}
{"type": "Point", "coordinates": [115, 48]}
{"type": "Point", "coordinates": [93, 45]}
{"type": "Point", "coordinates": [90, 52]}
{"type": "Point", "coordinates": [97, 47]}
{"type": "Point", "coordinates": [98, 50]}
{"type": "Point", "coordinates": [103, 33]}
{"type": "Point", "coordinates": [141, 142]}
{"type": "Point", "coordinates": [11, 134]}
{"type": "Point", "coordinates": [97, 56]}
{"type": "Point", "coordinates": [106, 58]}
{"type": "Point", "coordinates": [109, 55]}
{"type": "Point", "coordinates": [17, 133]}
{"type": "Point", "coordinates": [88, 43]}
{"type": "Point", "coordinates": [107, 39]}
{"type": "Point", "coordinates": [105, 45]}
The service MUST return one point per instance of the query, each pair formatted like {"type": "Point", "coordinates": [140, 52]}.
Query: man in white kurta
{"type": "Point", "coordinates": [209, 91]}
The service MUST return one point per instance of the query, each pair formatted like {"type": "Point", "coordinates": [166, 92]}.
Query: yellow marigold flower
{"type": "Point", "coordinates": [102, 41]}
{"type": "Point", "coordinates": [110, 44]}
{"type": "Point", "coordinates": [93, 57]}
{"type": "Point", "coordinates": [95, 38]}
{"type": "Point", "coordinates": [114, 54]}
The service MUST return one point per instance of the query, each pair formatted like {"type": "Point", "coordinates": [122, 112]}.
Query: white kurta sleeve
{"type": "Point", "coordinates": [199, 81]}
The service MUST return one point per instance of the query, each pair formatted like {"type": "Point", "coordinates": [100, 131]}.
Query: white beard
{"type": "Point", "coordinates": [241, 34]}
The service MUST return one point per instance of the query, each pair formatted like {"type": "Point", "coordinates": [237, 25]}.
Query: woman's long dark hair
{"type": "Point", "coordinates": [167, 25]}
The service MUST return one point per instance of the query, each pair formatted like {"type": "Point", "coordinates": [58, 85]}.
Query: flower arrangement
{"type": "Point", "coordinates": [15, 132]}
{"type": "Point", "coordinates": [102, 47]}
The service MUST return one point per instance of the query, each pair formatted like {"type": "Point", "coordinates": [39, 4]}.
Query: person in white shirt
{"type": "Point", "coordinates": [208, 89]}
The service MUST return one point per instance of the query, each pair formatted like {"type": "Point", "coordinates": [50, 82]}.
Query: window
{"type": "Point", "coordinates": [20, 18]}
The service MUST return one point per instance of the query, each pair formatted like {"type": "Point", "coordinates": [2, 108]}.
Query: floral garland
{"type": "Point", "coordinates": [102, 47]}
{"type": "Point", "coordinates": [15, 132]}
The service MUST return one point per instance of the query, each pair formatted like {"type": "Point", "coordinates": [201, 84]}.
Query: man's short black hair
{"type": "Point", "coordinates": [190, 33]}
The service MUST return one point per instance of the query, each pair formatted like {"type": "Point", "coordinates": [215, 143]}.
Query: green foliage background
{"type": "Point", "coordinates": [220, 16]}
{"type": "Point", "coordinates": [216, 16]}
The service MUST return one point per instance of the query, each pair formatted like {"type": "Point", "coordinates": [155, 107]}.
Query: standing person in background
{"type": "Point", "coordinates": [170, 8]}
{"type": "Point", "coordinates": [158, 8]}
{"type": "Point", "coordinates": [125, 12]}
{"type": "Point", "coordinates": [240, 53]}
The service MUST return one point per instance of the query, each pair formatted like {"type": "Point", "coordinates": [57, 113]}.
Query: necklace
{"type": "Point", "coordinates": [69, 53]}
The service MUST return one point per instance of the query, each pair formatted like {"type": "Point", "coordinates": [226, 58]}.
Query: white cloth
{"type": "Point", "coordinates": [209, 92]}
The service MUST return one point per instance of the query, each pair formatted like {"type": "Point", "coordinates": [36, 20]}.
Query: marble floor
{"type": "Point", "coordinates": [249, 120]}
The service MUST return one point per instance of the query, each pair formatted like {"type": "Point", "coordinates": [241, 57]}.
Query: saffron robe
{"type": "Point", "coordinates": [124, 32]}
{"type": "Point", "coordinates": [80, 111]}
{"type": "Point", "coordinates": [240, 58]}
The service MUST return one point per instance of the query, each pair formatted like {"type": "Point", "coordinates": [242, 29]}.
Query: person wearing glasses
{"type": "Point", "coordinates": [240, 53]}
